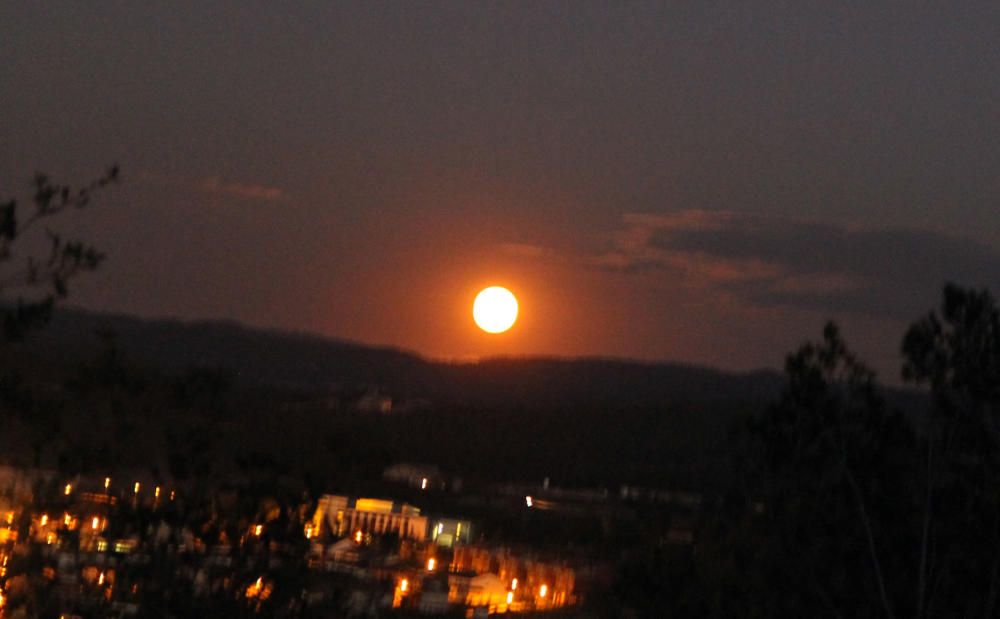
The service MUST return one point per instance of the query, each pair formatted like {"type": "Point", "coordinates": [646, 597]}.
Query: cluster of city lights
{"type": "Point", "coordinates": [136, 489]}
{"type": "Point", "coordinates": [403, 589]}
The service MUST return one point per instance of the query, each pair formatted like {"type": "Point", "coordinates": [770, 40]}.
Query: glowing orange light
{"type": "Point", "coordinates": [156, 492]}
{"type": "Point", "coordinates": [137, 487]}
{"type": "Point", "coordinates": [100, 579]}
{"type": "Point", "coordinates": [528, 501]}
{"type": "Point", "coordinates": [543, 591]}
{"type": "Point", "coordinates": [431, 564]}
{"type": "Point", "coordinates": [254, 590]}
{"type": "Point", "coordinates": [513, 585]}
{"type": "Point", "coordinates": [68, 489]}
{"type": "Point", "coordinates": [423, 484]}
{"type": "Point", "coordinates": [96, 522]}
{"type": "Point", "coordinates": [404, 585]}
{"type": "Point", "coordinates": [107, 482]}
{"type": "Point", "coordinates": [358, 536]}
{"type": "Point", "coordinates": [45, 519]}
{"type": "Point", "coordinates": [495, 309]}
{"type": "Point", "coordinates": [510, 597]}
{"type": "Point", "coordinates": [257, 530]}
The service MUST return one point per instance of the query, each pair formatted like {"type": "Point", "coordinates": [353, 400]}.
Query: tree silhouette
{"type": "Point", "coordinates": [830, 456]}
{"type": "Point", "coordinates": [957, 355]}
{"type": "Point", "coordinates": [37, 282]}
{"type": "Point", "coordinates": [862, 512]}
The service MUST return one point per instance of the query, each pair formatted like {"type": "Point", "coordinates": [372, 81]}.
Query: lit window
{"type": "Point", "coordinates": [431, 564]}
{"type": "Point", "coordinates": [123, 546]}
{"type": "Point", "coordinates": [543, 591]}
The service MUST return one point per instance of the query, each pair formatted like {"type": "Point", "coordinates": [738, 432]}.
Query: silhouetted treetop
{"type": "Point", "coordinates": [30, 288]}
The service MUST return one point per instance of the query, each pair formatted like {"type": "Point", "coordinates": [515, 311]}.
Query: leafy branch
{"type": "Point", "coordinates": [45, 278]}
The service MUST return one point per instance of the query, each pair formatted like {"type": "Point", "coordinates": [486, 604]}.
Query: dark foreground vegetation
{"type": "Point", "coordinates": [841, 506]}
{"type": "Point", "coordinates": [831, 501]}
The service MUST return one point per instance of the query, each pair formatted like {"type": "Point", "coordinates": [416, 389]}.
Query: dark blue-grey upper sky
{"type": "Point", "coordinates": [701, 181]}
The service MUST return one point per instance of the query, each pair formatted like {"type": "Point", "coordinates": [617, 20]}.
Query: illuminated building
{"type": "Point", "coordinates": [533, 583]}
{"type": "Point", "coordinates": [485, 590]}
{"type": "Point", "coordinates": [449, 532]}
{"type": "Point", "coordinates": [342, 516]}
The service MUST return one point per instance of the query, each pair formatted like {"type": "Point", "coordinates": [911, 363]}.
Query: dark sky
{"type": "Point", "coordinates": [696, 181]}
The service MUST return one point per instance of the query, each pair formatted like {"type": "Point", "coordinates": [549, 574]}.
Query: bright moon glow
{"type": "Point", "coordinates": [495, 309]}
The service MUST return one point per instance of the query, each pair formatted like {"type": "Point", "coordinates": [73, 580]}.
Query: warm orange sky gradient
{"type": "Point", "coordinates": [704, 182]}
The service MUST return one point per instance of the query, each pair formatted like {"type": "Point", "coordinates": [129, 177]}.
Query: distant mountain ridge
{"type": "Point", "coordinates": [313, 364]}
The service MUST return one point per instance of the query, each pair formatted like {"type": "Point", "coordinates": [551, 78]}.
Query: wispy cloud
{"type": "Point", "coordinates": [892, 272]}
{"type": "Point", "coordinates": [214, 184]}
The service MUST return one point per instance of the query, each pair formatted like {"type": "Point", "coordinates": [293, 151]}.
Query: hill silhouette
{"type": "Point", "coordinates": [296, 403]}
{"type": "Point", "coordinates": [309, 363]}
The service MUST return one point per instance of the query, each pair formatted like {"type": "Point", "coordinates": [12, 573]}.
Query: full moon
{"type": "Point", "coordinates": [495, 309]}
